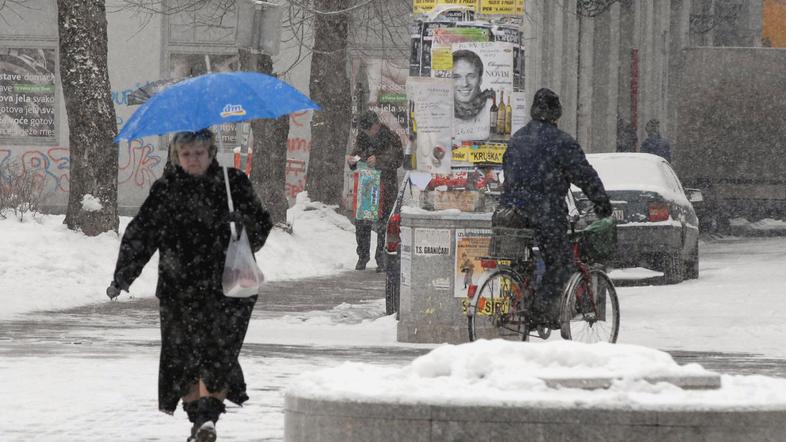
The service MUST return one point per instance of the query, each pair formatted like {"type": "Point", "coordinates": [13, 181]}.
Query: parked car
{"type": "Point", "coordinates": [657, 227]}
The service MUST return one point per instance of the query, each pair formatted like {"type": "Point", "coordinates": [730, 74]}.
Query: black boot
{"type": "Point", "coordinates": [209, 409]}
{"type": "Point", "coordinates": [192, 410]}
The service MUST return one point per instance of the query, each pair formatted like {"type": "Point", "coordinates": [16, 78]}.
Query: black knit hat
{"type": "Point", "coordinates": [546, 106]}
{"type": "Point", "coordinates": [367, 119]}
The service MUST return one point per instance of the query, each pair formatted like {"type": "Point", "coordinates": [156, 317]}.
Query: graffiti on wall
{"type": "Point", "coordinates": [49, 165]}
{"type": "Point", "coordinates": [139, 168]}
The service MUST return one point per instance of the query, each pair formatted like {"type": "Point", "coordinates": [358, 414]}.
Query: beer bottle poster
{"type": "Point", "coordinates": [433, 102]}
{"type": "Point", "coordinates": [482, 75]}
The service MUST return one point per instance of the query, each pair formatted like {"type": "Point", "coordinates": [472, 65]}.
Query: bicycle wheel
{"type": "Point", "coordinates": [590, 308]}
{"type": "Point", "coordinates": [498, 309]}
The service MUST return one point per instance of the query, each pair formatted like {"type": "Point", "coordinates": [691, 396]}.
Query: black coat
{"type": "Point", "coordinates": [185, 219]}
{"type": "Point", "coordinates": [386, 147]}
{"type": "Point", "coordinates": [540, 164]}
{"type": "Point", "coordinates": [657, 145]}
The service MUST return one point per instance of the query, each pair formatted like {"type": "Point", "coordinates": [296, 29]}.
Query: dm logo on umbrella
{"type": "Point", "coordinates": [231, 110]}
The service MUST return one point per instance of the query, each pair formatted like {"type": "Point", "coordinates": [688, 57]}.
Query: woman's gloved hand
{"type": "Point", "coordinates": [114, 289]}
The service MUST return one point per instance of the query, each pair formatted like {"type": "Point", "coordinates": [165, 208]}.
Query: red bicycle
{"type": "Point", "coordinates": [502, 307]}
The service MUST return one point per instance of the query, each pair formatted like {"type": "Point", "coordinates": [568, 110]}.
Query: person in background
{"type": "Point", "coordinates": [539, 166]}
{"type": "Point", "coordinates": [186, 219]}
{"type": "Point", "coordinates": [380, 148]}
{"type": "Point", "coordinates": [627, 140]}
{"type": "Point", "coordinates": [655, 144]}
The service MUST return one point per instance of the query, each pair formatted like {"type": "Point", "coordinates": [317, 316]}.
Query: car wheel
{"type": "Point", "coordinates": [391, 293]}
{"type": "Point", "coordinates": [692, 265]}
{"type": "Point", "coordinates": [672, 267]}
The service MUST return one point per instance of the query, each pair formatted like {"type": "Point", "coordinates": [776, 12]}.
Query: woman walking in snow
{"type": "Point", "coordinates": [186, 219]}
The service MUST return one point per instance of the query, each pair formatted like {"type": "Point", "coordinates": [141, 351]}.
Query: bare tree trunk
{"type": "Point", "coordinates": [331, 90]}
{"type": "Point", "coordinates": [270, 148]}
{"type": "Point", "coordinates": [91, 115]}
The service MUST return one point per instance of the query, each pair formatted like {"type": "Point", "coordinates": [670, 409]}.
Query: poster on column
{"type": "Point", "coordinates": [520, 115]}
{"type": "Point", "coordinates": [27, 94]}
{"type": "Point", "coordinates": [501, 7]}
{"type": "Point", "coordinates": [426, 6]}
{"type": "Point", "coordinates": [442, 46]}
{"type": "Point", "coordinates": [471, 244]}
{"type": "Point", "coordinates": [482, 82]}
{"type": "Point", "coordinates": [432, 101]}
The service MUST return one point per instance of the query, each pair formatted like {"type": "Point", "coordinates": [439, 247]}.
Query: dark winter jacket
{"type": "Point", "coordinates": [185, 219]}
{"type": "Point", "coordinates": [657, 145]}
{"type": "Point", "coordinates": [386, 147]}
{"type": "Point", "coordinates": [540, 164]}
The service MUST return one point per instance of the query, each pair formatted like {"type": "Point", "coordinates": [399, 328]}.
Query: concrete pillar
{"type": "Point", "coordinates": [556, 32]}
{"type": "Point", "coordinates": [605, 80]}
{"type": "Point", "coordinates": [570, 67]}
{"type": "Point", "coordinates": [533, 31]}
{"type": "Point", "coordinates": [662, 20]}
{"type": "Point", "coordinates": [586, 63]}
{"type": "Point", "coordinates": [626, 44]}
{"type": "Point", "coordinates": [679, 38]}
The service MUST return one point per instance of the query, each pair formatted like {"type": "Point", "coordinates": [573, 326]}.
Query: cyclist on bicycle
{"type": "Point", "coordinates": [539, 165]}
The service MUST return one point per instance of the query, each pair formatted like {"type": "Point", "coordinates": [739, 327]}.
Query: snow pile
{"type": "Point", "coordinates": [507, 373]}
{"type": "Point", "coordinates": [322, 243]}
{"type": "Point", "coordinates": [349, 325]}
{"type": "Point", "coordinates": [91, 203]}
{"type": "Point", "coordinates": [45, 266]}
{"type": "Point", "coordinates": [763, 225]}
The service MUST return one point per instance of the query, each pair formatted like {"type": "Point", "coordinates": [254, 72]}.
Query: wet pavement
{"type": "Point", "coordinates": [103, 330]}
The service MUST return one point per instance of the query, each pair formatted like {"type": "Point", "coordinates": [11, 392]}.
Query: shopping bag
{"type": "Point", "coordinates": [368, 191]}
{"type": "Point", "coordinates": [242, 277]}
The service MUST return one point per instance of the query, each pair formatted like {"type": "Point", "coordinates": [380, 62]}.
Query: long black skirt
{"type": "Point", "coordinates": [201, 339]}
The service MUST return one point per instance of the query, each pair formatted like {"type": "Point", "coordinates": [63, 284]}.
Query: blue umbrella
{"type": "Point", "coordinates": [211, 99]}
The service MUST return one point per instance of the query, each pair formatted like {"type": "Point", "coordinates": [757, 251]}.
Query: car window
{"type": "Point", "coordinates": [676, 180]}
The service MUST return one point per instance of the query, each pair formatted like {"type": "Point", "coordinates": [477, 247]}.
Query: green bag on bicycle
{"type": "Point", "coordinates": [599, 241]}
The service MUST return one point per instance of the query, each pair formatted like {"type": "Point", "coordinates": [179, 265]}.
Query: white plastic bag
{"type": "Point", "coordinates": [242, 277]}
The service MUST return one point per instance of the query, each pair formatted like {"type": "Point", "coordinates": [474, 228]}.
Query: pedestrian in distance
{"type": "Point", "coordinates": [186, 219]}
{"type": "Point", "coordinates": [627, 140]}
{"type": "Point", "coordinates": [655, 143]}
{"type": "Point", "coordinates": [380, 148]}
{"type": "Point", "coordinates": [539, 166]}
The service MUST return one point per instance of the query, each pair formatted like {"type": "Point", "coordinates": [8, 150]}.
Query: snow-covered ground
{"type": "Point", "coordinates": [43, 265]}
{"type": "Point", "coordinates": [736, 306]}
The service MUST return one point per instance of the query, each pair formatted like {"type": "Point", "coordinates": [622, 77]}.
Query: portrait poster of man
{"type": "Point", "coordinates": [27, 94]}
{"type": "Point", "coordinates": [432, 100]}
{"type": "Point", "coordinates": [482, 76]}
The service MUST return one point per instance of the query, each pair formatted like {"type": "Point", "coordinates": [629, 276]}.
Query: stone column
{"type": "Point", "coordinates": [585, 82]}
{"type": "Point", "coordinates": [570, 66]}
